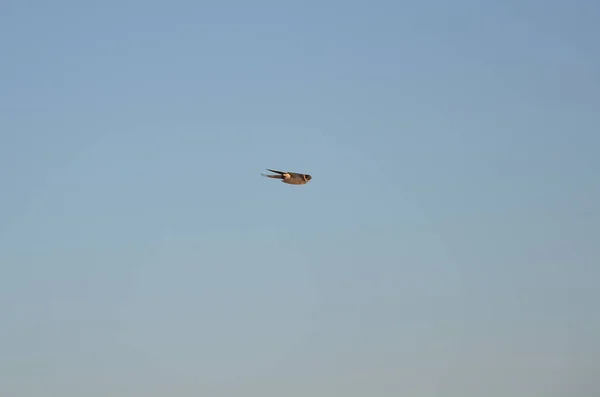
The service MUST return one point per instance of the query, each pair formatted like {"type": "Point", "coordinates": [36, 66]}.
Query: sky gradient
{"type": "Point", "coordinates": [448, 244]}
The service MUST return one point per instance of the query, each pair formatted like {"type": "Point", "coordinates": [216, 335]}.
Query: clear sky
{"type": "Point", "coordinates": [448, 244]}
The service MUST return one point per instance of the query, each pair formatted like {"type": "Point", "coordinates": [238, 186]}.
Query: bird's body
{"type": "Point", "coordinates": [291, 178]}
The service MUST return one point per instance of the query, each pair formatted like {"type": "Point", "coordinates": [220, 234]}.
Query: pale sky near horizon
{"type": "Point", "coordinates": [448, 244]}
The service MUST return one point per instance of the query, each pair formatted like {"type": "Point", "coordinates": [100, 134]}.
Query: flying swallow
{"type": "Point", "coordinates": [291, 178]}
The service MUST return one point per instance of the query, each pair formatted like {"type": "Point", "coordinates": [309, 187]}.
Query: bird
{"type": "Point", "coordinates": [292, 178]}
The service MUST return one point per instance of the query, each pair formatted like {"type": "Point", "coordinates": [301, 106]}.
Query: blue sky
{"type": "Point", "coordinates": [446, 246]}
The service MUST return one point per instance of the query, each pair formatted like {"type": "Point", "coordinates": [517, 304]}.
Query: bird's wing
{"type": "Point", "coordinates": [272, 176]}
